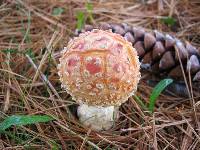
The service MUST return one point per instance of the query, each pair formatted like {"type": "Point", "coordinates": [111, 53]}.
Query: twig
{"type": "Point", "coordinates": [74, 133]}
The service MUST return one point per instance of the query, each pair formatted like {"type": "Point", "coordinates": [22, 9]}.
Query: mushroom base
{"type": "Point", "coordinates": [96, 117]}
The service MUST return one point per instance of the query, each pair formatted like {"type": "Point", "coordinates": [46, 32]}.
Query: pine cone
{"type": "Point", "coordinates": [162, 52]}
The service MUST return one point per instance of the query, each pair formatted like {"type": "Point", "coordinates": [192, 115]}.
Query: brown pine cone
{"type": "Point", "coordinates": [162, 52]}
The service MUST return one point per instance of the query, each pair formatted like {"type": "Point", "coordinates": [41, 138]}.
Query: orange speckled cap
{"type": "Point", "coordinates": [99, 68]}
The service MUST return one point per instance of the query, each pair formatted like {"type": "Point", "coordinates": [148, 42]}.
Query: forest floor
{"type": "Point", "coordinates": [32, 33]}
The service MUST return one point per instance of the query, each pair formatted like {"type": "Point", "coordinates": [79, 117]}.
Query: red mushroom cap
{"type": "Point", "coordinates": [99, 68]}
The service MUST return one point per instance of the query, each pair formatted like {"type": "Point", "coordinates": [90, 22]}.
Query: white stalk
{"type": "Point", "coordinates": [97, 117]}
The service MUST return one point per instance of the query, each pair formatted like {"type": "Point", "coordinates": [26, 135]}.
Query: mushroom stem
{"type": "Point", "coordinates": [97, 117]}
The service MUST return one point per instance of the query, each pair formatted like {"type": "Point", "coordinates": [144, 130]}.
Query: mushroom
{"type": "Point", "coordinates": [100, 70]}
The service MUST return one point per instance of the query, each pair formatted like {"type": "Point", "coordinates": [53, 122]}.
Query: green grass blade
{"type": "Point", "coordinates": [169, 21]}
{"type": "Point", "coordinates": [140, 102]}
{"type": "Point", "coordinates": [80, 20]}
{"type": "Point", "coordinates": [156, 92]}
{"type": "Point", "coordinates": [89, 8]}
{"type": "Point", "coordinates": [23, 120]}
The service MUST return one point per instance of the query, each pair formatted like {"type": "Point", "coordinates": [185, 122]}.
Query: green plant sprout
{"type": "Point", "coordinates": [82, 17]}
{"type": "Point", "coordinates": [154, 95]}
{"type": "Point", "coordinates": [19, 120]}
